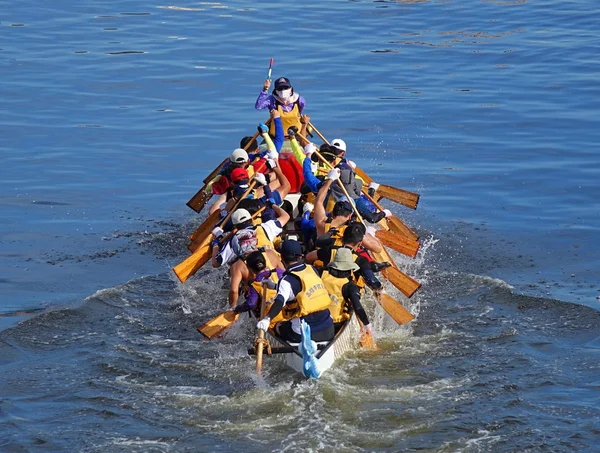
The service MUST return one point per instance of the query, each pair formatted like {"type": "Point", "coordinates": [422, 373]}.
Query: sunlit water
{"type": "Point", "coordinates": [113, 113]}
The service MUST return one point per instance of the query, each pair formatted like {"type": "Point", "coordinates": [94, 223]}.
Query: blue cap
{"type": "Point", "coordinates": [290, 249]}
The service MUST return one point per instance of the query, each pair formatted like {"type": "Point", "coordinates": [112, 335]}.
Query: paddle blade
{"type": "Point", "coordinates": [399, 227]}
{"type": "Point", "coordinates": [218, 324]}
{"type": "Point", "coordinates": [404, 197]}
{"type": "Point", "coordinates": [401, 244]}
{"type": "Point", "coordinates": [198, 201]}
{"type": "Point", "coordinates": [395, 309]}
{"type": "Point", "coordinates": [400, 280]}
{"type": "Point", "coordinates": [195, 261]}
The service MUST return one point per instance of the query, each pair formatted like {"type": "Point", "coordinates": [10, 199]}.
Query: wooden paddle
{"type": "Point", "coordinates": [401, 244]}
{"type": "Point", "coordinates": [198, 201]}
{"type": "Point", "coordinates": [260, 342]}
{"type": "Point", "coordinates": [404, 197]}
{"type": "Point", "coordinates": [403, 282]}
{"type": "Point", "coordinates": [196, 260]}
{"type": "Point", "coordinates": [400, 280]}
{"type": "Point", "coordinates": [218, 324]}
{"type": "Point", "coordinates": [397, 225]}
{"type": "Point", "coordinates": [401, 196]}
{"type": "Point", "coordinates": [203, 230]}
{"type": "Point", "coordinates": [393, 308]}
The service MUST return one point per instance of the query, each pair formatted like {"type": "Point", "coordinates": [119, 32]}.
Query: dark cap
{"type": "Point", "coordinates": [290, 249]}
{"type": "Point", "coordinates": [342, 207]}
{"type": "Point", "coordinates": [282, 82]}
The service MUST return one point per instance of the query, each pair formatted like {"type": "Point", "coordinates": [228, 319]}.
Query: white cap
{"type": "Point", "coordinates": [339, 144]}
{"type": "Point", "coordinates": [239, 156]}
{"type": "Point", "coordinates": [240, 216]}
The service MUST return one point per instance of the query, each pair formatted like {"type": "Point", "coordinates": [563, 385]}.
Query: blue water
{"type": "Point", "coordinates": [112, 113]}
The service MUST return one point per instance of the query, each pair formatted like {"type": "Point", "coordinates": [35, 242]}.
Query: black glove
{"type": "Point", "coordinates": [292, 131]}
{"type": "Point", "coordinates": [371, 192]}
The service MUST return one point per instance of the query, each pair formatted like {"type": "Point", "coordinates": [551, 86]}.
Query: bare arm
{"type": "Point", "coordinates": [319, 214]}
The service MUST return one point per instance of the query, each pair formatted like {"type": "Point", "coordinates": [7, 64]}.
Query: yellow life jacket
{"type": "Point", "coordinates": [338, 235]}
{"type": "Point", "coordinates": [312, 298]}
{"type": "Point", "coordinates": [358, 280]}
{"type": "Point", "coordinates": [288, 119]}
{"type": "Point", "coordinates": [262, 240]}
{"type": "Point", "coordinates": [337, 307]}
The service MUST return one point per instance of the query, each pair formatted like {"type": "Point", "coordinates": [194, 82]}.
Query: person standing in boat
{"type": "Point", "coordinates": [283, 99]}
{"type": "Point", "coordinates": [301, 295]}
{"type": "Point", "coordinates": [345, 294]}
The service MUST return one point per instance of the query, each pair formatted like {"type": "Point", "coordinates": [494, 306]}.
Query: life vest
{"type": "Point", "coordinates": [312, 298]}
{"type": "Point", "coordinates": [338, 306]}
{"type": "Point", "coordinates": [262, 240]}
{"type": "Point", "coordinates": [338, 235]}
{"type": "Point", "coordinates": [288, 119]}
{"type": "Point", "coordinates": [356, 278]}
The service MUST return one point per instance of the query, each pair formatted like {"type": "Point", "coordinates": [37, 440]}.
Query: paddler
{"type": "Point", "coordinates": [345, 294]}
{"type": "Point", "coordinates": [261, 267]}
{"type": "Point", "coordinates": [247, 269]}
{"type": "Point", "coordinates": [301, 295]}
{"type": "Point", "coordinates": [265, 233]}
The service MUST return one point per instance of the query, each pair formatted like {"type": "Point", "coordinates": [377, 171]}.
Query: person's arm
{"type": "Point", "coordinates": [296, 149]}
{"type": "Point", "coordinates": [234, 286]}
{"type": "Point", "coordinates": [282, 216]}
{"type": "Point", "coordinates": [304, 120]}
{"type": "Point", "coordinates": [279, 132]}
{"type": "Point", "coordinates": [301, 104]}
{"type": "Point", "coordinates": [371, 242]}
{"type": "Point", "coordinates": [284, 184]}
{"type": "Point", "coordinates": [285, 293]}
{"type": "Point", "coordinates": [264, 100]}
{"type": "Point", "coordinates": [309, 177]}
{"type": "Point", "coordinates": [367, 273]}
{"type": "Point", "coordinates": [319, 213]}
{"type": "Point", "coordinates": [250, 303]}
{"type": "Point", "coordinates": [351, 293]}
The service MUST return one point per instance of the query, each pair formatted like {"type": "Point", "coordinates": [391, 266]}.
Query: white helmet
{"type": "Point", "coordinates": [240, 216]}
{"type": "Point", "coordinates": [339, 144]}
{"type": "Point", "coordinates": [239, 156]}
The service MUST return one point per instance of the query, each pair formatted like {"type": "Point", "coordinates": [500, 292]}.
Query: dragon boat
{"type": "Point", "coordinates": [306, 357]}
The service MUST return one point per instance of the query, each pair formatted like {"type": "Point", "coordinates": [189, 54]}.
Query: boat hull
{"type": "Point", "coordinates": [346, 339]}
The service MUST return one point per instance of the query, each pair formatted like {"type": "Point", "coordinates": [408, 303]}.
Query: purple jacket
{"type": "Point", "coordinates": [267, 101]}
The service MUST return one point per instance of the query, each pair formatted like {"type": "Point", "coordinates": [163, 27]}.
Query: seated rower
{"type": "Point", "coordinates": [352, 237]}
{"type": "Point", "coordinates": [341, 215]}
{"type": "Point", "coordinates": [266, 232]}
{"type": "Point", "coordinates": [249, 268]}
{"type": "Point", "coordinates": [344, 293]}
{"type": "Point", "coordinates": [262, 267]}
{"type": "Point", "coordinates": [301, 295]}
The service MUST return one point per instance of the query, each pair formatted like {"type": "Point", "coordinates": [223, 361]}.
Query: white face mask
{"type": "Point", "coordinates": [285, 94]}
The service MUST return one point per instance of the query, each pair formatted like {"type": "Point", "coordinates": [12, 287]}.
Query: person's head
{"type": "Point", "coordinates": [343, 261]}
{"type": "Point", "coordinates": [354, 234]}
{"type": "Point", "coordinates": [241, 218]}
{"type": "Point", "coordinates": [283, 88]}
{"type": "Point", "coordinates": [244, 242]}
{"type": "Point", "coordinates": [329, 153]}
{"type": "Point", "coordinates": [239, 175]}
{"type": "Point", "coordinates": [291, 252]}
{"type": "Point", "coordinates": [342, 209]}
{"type": "Point", "coordinates": [239, 156]}
{"type": "Point", "coordinates": [252, 205]}
{"type": "Point", "coordinates": [251, 148]}
{"type": "Point", "coordinates": [340, 145]}
{"type": "Point", "coordinates": [256, 262]}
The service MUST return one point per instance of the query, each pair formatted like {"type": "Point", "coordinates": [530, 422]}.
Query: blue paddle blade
{"type": "Point", "coordinates": [308, 348]}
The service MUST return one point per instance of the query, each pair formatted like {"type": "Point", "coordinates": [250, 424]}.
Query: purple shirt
{"type": "Point", "coordinates": [268, 101]}
{"type": "Point", "coordinates": [253, 297]}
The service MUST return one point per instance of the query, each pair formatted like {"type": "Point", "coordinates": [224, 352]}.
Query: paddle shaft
{"type": "Point", "coordinates": [261, 333]}
{"type": "Point", "coordinates": [270, 68]}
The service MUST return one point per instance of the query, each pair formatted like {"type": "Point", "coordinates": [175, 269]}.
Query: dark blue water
{"type": "Point", "coordinates": [113, 113]}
